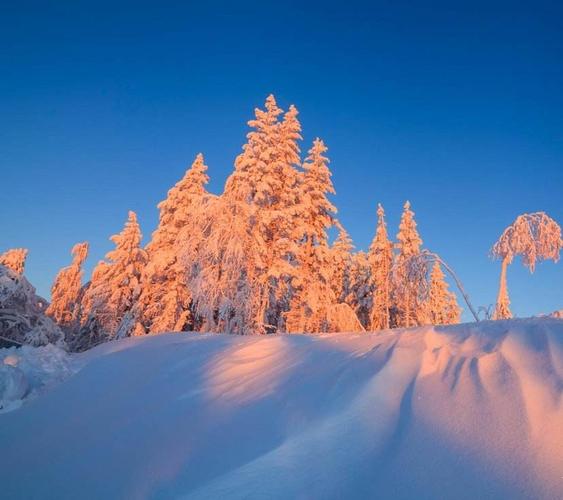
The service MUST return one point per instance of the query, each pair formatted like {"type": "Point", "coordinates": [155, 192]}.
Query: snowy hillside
{"type": "Point", "coordinates": [466, 411]}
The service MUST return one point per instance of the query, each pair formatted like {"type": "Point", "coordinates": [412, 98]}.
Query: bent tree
{"type": "Point", "coordinates": [535, 237]}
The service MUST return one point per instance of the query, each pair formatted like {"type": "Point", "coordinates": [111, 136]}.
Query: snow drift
{"type": "Point", "coordinates": [467, 411]}
{"type": "Point", "coordinates": [28, 372]}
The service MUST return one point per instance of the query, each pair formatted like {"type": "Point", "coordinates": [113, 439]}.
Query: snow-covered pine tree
{"type": "Point", "coordinates": [342, 281]}
{"type": "Point", "coordinates": [360, 293]}
{"type": "Point", "coordinates": [313, 298]}
{"type": "Point", "coordinates": [165, 301]}
{"type": "Point", "coordinates": [220, 267]}
{"type": "Point", "coordinates": [227, 283]}
{"type": "Point", "coordinates": [14, 259]}
{"type": "Point", "coordinates": [442, 305]}
{"type": "Point", "coordinates": [22, 312]}
{"type": "Point", "coordinates": [341, 262]}
{"type": "Point", "coordinates": [407, 283]}
{"type": "Point", "coordinates": [67, 290]}
{"type": "Point", "coordinates": [380, 257]}
{"type": "Point", "coordinates": [248, 263]}
{"type": "Point", "coordinates": [108, 303]}
{"type": "Point", "coordinates": [278, 218]}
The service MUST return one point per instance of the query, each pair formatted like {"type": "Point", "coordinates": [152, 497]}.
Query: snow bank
{"type": "Point", "coordinates": [29, 371]}
{"type": "Point", "coordinates": [468, 411]}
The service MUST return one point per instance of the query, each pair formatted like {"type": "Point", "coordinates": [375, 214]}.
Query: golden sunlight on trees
{"type": "Point", "coordinates": [535, 237]}
{"type": "Point", "coordinates": [14, 259]}
{"type": "Point", "coordinates": [67, 291]}
{"type": "Point", "coordinates": [261, 257]}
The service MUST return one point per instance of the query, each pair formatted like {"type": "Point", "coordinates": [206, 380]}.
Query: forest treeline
{"type": "Point", "coordinates": [255, 259]}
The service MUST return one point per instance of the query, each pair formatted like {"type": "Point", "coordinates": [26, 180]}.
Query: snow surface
{"type": "Point", "coordinates": [27, 372]}
{"type": "Point", "coordinates": [466, 411]}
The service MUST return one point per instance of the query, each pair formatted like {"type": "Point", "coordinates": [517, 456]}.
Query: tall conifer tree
{"type": "Point", "coordinates": [66, 292]}
{"type": "Point", "coordinates": [116, 286]}
{"type": "Point", "coordinates": [313, 297]}
{"type": "Point", "coordinates": [381, 262]}
{"type": "Point", "coordinates": [408, 282]}
{"type": "Point", "coordinates": [165, 300]}
{"type": "Point", "coordinates": [442, 306]}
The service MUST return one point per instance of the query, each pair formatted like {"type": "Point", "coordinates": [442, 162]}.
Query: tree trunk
{"type": "Point", "coordinates": [502, 310]}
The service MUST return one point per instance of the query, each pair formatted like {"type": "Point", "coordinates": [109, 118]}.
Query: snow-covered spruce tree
{"type": "Point", "coordinates": [278, 218]}
{"type": "Point", "coordinates": [67, 290]}
{"type": "Point", "coordinates": [535, 237]}
{"type": "Point", "coordinates": [14, 259]}
{"type": "Point", "coordinates": [108, 303]}
{"type": "Point", "coordinates": [360, 293]}
{"type": "Point", "coordinates": [343, 283]}
{"type": "Point", "coordinates": [313, 297]}
{"type": "Point", "coordinates": [165, 301]}
{"type": "Point", "coordinates": [22, 312]}
{"type": "Point", "coordinates": [380, 257]}
{"type": "Point", "coordinates": [408, 282]}
{"type": "Point", "coordinates": [248, 263]}
{"type": "Point", "coordinates": [341, 262]}
{"type": "Point", "coordinates": [217, 256]}
{"type": "Point", "coordinates": [442, 306]}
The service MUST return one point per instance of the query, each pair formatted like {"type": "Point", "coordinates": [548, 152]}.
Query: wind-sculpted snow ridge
{"type": "Point", "coordinates": [466, 411]}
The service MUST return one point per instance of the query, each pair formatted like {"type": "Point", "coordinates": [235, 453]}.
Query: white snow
{"type": "Point", "coordinates": [465, 411]}
{"type": "Point", "coordinates": [28, 371]}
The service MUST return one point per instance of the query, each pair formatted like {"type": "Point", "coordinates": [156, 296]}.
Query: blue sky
{"type": "Point", "coordinates": [456, 106]}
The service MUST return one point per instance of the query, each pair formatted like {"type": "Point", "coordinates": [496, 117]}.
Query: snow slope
{"type": "Point", "coordinates": [468, 411]}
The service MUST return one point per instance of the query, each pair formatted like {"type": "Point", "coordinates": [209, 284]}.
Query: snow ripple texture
{"type": "Point", "coordinates": [465, 411]}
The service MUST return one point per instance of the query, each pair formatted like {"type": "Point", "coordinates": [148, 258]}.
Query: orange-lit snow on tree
{"type": "Point", "coordinates": [360, 288]}
{"type": "Point", "coordinates": [66, 292]}
{"type": "Point", "coordinates": [341, 262]}
{"type": "Point", "coordinates": [165, 301]}
{"type": "Point", "coordinates": [442, 306]}
{"type": "Point", "coordinates": [381, 261]}
{"type": "Point", "coordinates": [535, 237]}
{"type": "Point", "coordinates": [247, 266]}
{"type": "Point", "coordinates": [108, 303]}
{"type": "Point", "coordinates": [22, 312]}
{"type": "Point", "coordinates": [14, 259]}
{"type": "Point", "coordinates": [312, 295]}
{"type": "Point", "coordinates": [407, 280]}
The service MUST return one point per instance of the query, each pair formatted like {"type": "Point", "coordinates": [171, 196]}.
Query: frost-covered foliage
{"type": "Point", "coordinates": [360, 288]}
{"type": "Point", "coordinates": [535, 237]}
{"type": "Point", "coordinates": [408, 275]}
{"type": "Point", "coordinates": [14, 259]}
{"type": "Point", "coordinates": [258, 259]}
{"type": "Point", "coordinates": [22, 312]}
{"type": "Point", "coordinates": [442, 306]}
{"type": "Point", "coordinates": [341, 263]}
{"type": "Point", "coordinates": [313, 298]}
{"type": "Point", "coordinates": [255, 259]}
{"type": "Point", "coordinates": [244, 277]}
{"type": "Point", "coordinates": [67, 290]}
{"type": "Point", "coordinates": [381, 262]}
{"type": "Point", "coordinates": [165, 300]}
{"type": "Point", "coordinates": [108, 303]}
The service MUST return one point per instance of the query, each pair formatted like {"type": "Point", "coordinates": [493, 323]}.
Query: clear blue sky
{"type": "Point", "coordinates": [456, 106]}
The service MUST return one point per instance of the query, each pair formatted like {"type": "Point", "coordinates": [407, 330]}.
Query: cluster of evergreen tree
{"type": "Point", "coordinates": [256, 259]}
